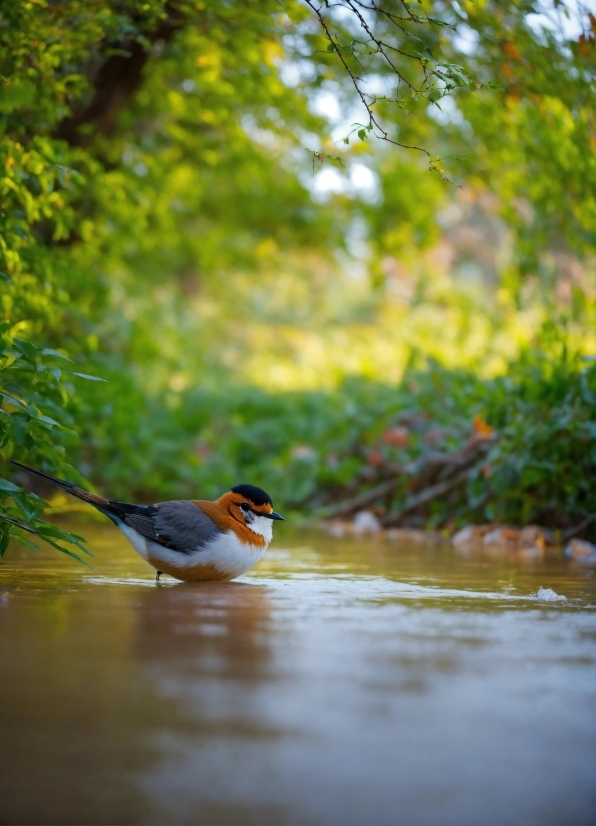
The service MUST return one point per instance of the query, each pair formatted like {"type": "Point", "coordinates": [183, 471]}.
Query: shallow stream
{"type": "Point", "coordinates": [340, 682]}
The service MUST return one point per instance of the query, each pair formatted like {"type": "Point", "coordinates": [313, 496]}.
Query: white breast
{"type": "Point", "coordinates": [228, 554]}
{"type": "Point", "coordinates": [225, 551]}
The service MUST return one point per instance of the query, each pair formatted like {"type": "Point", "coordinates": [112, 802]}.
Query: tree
{"type": "Point", "coordinates": [143, 138]}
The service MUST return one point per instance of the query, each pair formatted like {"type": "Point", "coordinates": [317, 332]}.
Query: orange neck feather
{"type": "Point", "coordinates": [222, 513]}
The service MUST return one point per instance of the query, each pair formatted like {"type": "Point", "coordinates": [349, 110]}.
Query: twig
{"type": "Point", "coordinates": [571, 532]}
{"type": "Point", "coordinates": [17, 523]}
{"type": "Point", "coordinates": [383, 135]}
{"type": "Point", "coordinates": [467, 456]}
{"type": "Point", "coordinates": [427, 495]}
{"type": "Point", "coordinates": [441, 465]}
{"type": "Point", "coordinates": [363, 499]}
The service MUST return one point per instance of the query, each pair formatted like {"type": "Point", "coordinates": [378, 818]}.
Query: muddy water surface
{"type": "Point", "coordinates": [340, 682]}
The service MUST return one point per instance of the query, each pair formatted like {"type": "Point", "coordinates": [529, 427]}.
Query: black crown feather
{"type": "Point", "coordinates": [256, 495]}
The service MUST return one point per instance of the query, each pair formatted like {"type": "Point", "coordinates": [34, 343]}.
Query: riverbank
{"type": "Point", "coordinates": [530, 542]}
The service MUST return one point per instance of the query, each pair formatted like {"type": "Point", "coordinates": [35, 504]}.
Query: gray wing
{"type": "Point", "coordinates": [179, 525]}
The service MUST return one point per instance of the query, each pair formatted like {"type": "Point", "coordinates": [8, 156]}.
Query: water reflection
{"type": "Point", "coordinates": [341, 682]}
{"type": "Point", "coordinates": [218, 628]}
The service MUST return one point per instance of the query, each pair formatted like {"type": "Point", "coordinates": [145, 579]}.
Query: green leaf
{"type": "Point", "coordinates": [23, 539]}
{"type": "Point", "coordinates": [8, 487]}
{"type": "Point", "coordinates": [28, 349]}
{"type": "Point", "coordinates": [14, 402]}
{"type": "Point", "coordinates": [47, 529]}
{"type": "Point", "coordinates": [49, 352]}
{"type": "Point", "coordinates": [64, 550]}
{"type": "Point", "coordinates": [28, 507]}
{"type": "Point", "coordinates": [48, 420]}
{"type": "Point", "coordinates": [25, 364]}
{"type": "Point", "coordinates": [18, 430]}
{"type": "Point", "coordinates": [85, 376]}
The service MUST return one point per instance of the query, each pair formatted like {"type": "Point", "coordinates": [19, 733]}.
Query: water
{"type": "Point", "coordinates": [340, 682]}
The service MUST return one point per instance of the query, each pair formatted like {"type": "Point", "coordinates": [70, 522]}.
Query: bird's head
{"type": "Point", "coordinates": [252, 507]}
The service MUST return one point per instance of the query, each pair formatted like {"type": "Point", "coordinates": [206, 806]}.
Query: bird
{"type": "Point", "coordinates": [194, 539]}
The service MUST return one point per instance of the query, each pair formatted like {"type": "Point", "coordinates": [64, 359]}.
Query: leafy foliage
{"type": "Point", "coordinates": [77, 203]}
{"type": "Point", "coordinates": [315, 448]}
{"type": "Point", "coordinates": [529, 140]}
{"type": "Point", "coordinates": [159, 223]}
{"type": "Point", "coordinates": [32, 388]}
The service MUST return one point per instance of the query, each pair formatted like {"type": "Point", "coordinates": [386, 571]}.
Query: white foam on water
{"type": "Point", "coordinates": [374, 588]}
{"type": "Point", "coordinates": [108, 580]}
{"type": "Point", "coordinates": [548, 595]}
{"type": "Point", "coordinates": [358, 588]}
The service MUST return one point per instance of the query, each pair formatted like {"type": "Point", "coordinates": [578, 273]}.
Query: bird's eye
{"type": "Point", "coordinates": [244, 507]}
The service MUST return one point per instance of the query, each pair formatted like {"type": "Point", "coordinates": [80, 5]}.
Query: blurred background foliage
{"type": "Point", "coordinates": [203, 204]}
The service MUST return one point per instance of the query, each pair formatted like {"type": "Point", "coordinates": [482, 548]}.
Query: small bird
{"type": "Point", "coordinates": [194, 539]}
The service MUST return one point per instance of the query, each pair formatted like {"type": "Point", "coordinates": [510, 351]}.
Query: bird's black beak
{"type": "Point", "coordinates": [273, 515]}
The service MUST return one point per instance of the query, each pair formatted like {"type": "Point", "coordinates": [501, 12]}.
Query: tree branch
{"type": "Point", "coordinates": [383, 135]}
{"type": "Point", "coordinates": [425, 496]}
{"type": "Point", "coordinates": [430, 89]}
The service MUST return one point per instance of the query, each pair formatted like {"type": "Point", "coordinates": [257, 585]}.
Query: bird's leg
{"type": "Point", "coordinates": [159, 573]}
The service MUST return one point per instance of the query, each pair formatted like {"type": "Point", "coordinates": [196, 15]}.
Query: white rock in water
{"type": "Point", "coordinates": [548, 595]}
{"type": "Point", "coordinates": [464, 537]}
{"type": "Point", "coordinates": [365, 522]}
{"type": "Point", "coordinates": [580, 549]}
{"type": "Point", "coordinates": [494, 537]}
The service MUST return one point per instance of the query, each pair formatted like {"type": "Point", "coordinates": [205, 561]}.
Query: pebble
{"type": "Point", "coordinates": [529, 542]}
{"type": "Point", "coordinates": [504, 537]}
{"type": "Point", "coordinates": [365, 522]}
{"type": "Point", "coordinates": [581, 551]}
{"type": "Point", "coordinates": [466, 536]}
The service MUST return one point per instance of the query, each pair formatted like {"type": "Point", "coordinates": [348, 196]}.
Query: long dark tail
{"type": "Point", "coordinates": [112, 509]}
